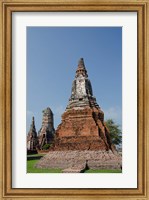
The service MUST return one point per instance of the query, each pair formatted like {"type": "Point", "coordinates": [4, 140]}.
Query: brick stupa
{"type": "Point", "coordinates": [82, 126]}
{"type": "Point", "coordinates": [32, 140]}
{"type": "Point", "coordinates": [46, 133]}
{"type": "Point", "coordinates": [82, 137]}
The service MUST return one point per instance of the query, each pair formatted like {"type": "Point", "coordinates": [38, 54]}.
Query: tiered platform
{"type": "Point", "coordinates": [72, 159]}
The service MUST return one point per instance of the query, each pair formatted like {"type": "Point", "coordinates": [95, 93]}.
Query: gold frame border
{"type": "Point", "coordinates": [6, 9]}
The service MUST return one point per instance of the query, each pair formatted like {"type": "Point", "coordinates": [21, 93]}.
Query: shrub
{"type": "Point", "coordinates": [115, 132]}
{"type": "Point", "coordinates": [46, 146]}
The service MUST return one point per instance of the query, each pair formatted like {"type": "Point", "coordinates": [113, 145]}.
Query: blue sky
{"type": "Point", "coordinates": [52, 58]}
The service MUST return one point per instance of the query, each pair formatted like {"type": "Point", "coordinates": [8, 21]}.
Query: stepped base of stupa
{"type": "Point", "coordinates": [90, 159]}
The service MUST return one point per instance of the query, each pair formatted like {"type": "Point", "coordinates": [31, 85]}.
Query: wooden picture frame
{"type": "Point", "coordinates": [7, 7]}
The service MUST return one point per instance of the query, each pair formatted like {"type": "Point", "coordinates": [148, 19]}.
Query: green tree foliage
{"type": "Point", "coordinates": [46, 146]}
{"type": "Point", "coordinates": [115, 132]}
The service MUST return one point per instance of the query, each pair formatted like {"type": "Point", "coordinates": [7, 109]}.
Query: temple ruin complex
{"type": "Point", "coordinates": [82, 137]}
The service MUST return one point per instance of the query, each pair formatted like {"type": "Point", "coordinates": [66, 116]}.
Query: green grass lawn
{"type": "Point", "coordinates": [35, 155]}
{"type": "Point", "coordinates": [32, 169]}
{"type": "Point", "coordinates": [33, 159]}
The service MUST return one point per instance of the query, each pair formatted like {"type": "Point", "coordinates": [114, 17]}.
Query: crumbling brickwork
{"type": "Point", "coordinates": [32, 140]}
{"type": "Point", "coordinates": [46, 133]}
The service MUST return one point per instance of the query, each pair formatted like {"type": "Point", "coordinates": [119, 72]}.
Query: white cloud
{"type": "Point", "coordinates": [114, 113]}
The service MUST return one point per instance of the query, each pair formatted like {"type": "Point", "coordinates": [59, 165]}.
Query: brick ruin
{"type": "Point", "coordinates": [32, 139]}
{"type": "Point", "coordinates": [45, 134]}
{"type": "Point", "coordinates": [82, 135]}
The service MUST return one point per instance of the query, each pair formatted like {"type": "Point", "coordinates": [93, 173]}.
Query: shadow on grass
{"type": "Point", "coordinates": [34, 158]}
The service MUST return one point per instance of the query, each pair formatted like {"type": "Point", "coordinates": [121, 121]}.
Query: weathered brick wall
{"type": "Point", "coordinates": [81, 130]}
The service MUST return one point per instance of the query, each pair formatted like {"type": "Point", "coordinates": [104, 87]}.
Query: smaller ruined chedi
{"type": "Point", "coordinates": [32, 139]}
{"type": "Point", "coordinates": [82, 138]}
{"type": "Point", "coordinates": [45, 134]}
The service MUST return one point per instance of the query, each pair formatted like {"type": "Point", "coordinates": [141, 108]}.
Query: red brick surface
{"type": "Point", "coordinates": [81, 129]}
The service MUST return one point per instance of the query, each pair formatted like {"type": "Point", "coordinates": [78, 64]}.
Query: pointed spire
{"type": "Point", "coordinates": [32, 131]}
{"type": "Point", "coordinates": [81, 63]}
{"type": "Point", "coordinates": [81, 68]}
{"type": "Point", "coordinates": [32, 139]}
{"type": "Point", "coordinates": [33, 120]}
{"type": "Point", "coordinates": [33, 124]}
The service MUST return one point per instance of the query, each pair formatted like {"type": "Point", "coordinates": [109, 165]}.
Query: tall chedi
{"type": "Point", "coordinates": [82, 126]}
{"type": "Point", "coordinates": [82, 140]}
